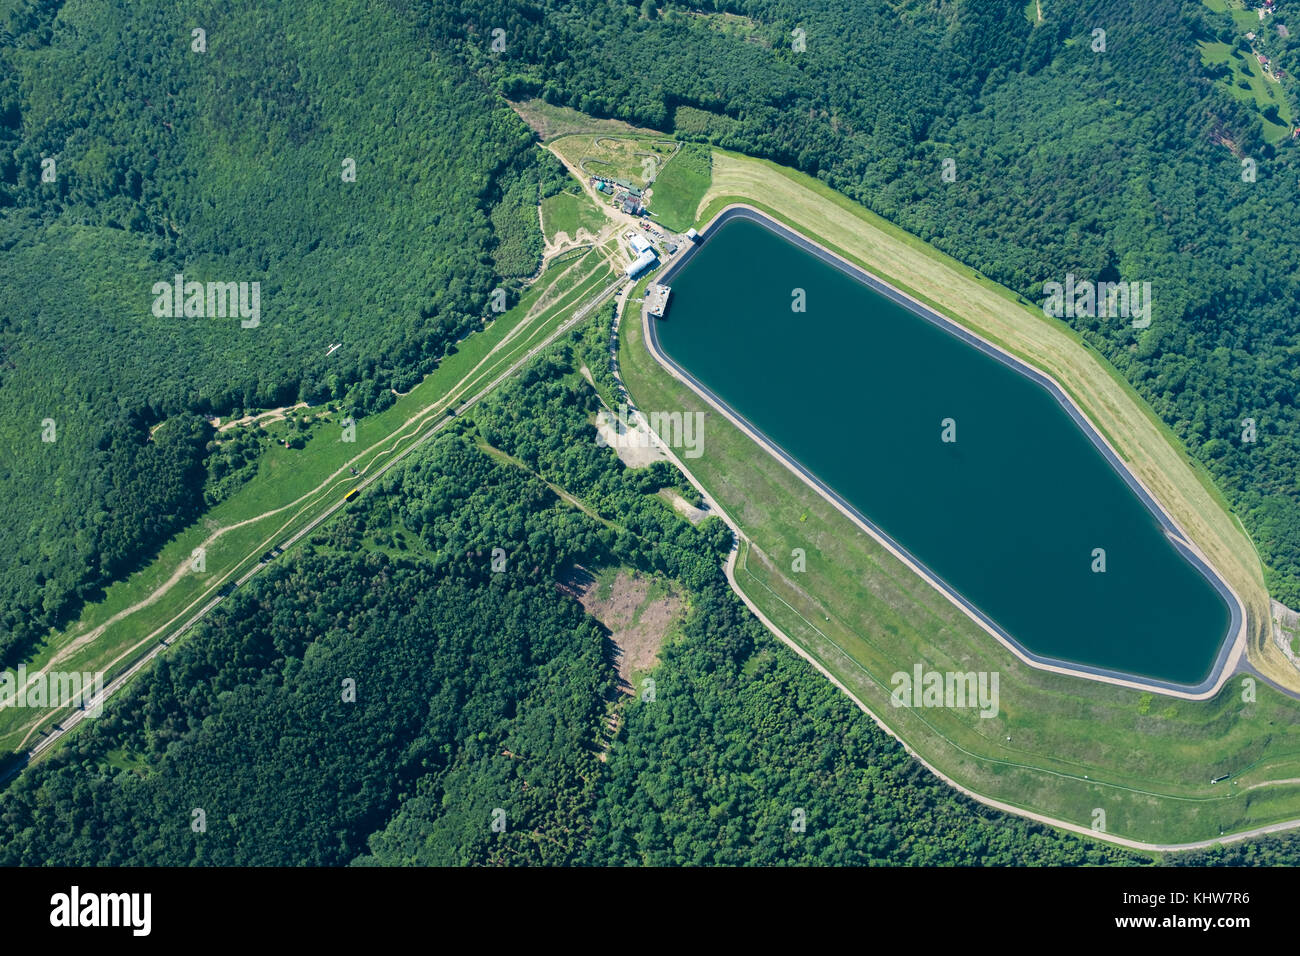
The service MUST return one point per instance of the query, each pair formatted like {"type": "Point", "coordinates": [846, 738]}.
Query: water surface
{"type": "Point", "coordinates": [857, 388]}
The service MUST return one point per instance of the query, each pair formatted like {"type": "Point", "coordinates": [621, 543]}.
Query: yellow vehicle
{"type": "Point", "coordinates": [352, 494]}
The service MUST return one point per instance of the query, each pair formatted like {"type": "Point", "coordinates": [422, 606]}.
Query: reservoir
{"type": "Point", "coordinates": [1011, 517]}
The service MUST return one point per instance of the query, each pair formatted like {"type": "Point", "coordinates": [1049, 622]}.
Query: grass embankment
{"type": "Point", "coordinates": [291, 488]}
{"type": "Point", "coordinates": [1147, 445]}
{"type": "Point", "coordinates": [1061, 746]}
{"type": "Point", "coordinates": [681, 186]}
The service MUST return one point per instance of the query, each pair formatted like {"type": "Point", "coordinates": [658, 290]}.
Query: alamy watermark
{"type": "Point", "coordinates": [212, 300]}
{"type": "Point", "coordinates": [128, 910]}
{"type": "Point", "coordinates": [923, 688]}
{"type": "Point", "coordinates": [1105, 300]}
{"type": "Point", "coordinates": [53, 689]}
{"type": "Point", "coordinates": [684, 430]}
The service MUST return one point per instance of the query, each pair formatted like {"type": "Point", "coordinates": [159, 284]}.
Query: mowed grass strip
{"type": "Point", "coordinates": [681, 186]}
{"type": "Point", "coordinates": [1075, 745]}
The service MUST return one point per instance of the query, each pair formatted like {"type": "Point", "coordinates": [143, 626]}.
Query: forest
{"type": "Point", "coordinates": [376, 696]}
{"type": "Point", "coordinates": [378, 198]}
{"type": "Point", "coordinates": [1126, 163]}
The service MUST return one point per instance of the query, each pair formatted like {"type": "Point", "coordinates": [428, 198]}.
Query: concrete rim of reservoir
{"type": "Point", "coordinates": [1230, 657]}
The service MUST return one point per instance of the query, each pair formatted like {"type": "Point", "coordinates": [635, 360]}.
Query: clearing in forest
{"type": "Point", "coordinates": [638, 610]}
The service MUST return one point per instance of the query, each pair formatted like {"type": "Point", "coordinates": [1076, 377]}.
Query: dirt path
{"type": "Point", "coordinates": [272, 415]}
{"type": "Point", "coordinates": [562, 242]}
{"type": "Point", "coordinates": [619, 217]}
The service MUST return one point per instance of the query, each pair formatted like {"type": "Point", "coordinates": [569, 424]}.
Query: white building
{"type": "Point", "coordinates": [640, 264]}
{"type": "Point", "coordinates": [640, 244]}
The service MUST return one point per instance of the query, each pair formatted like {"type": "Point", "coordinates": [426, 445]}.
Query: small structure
{"type": "Point", "coordinates": [643, 253]}
{"type": "Point", "coordinates": [692, 234]}
{"type": "Point", "coordinates": [657, 301]}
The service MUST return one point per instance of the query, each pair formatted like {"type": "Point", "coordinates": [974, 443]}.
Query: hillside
{"type": "Point", "coordinates": [376, 197]}
{"type": "Point", "coordinates": [476, 691]}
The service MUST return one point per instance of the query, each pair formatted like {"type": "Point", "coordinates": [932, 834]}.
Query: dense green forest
{"type": "Point", "coordinates": [375, 696]}
{"type": "Point", "coordinates": [1125, 163]}
{"type": "Point", "coordinates": [376, 190]}
{"type": "Point", "coordinates": [477, 691]}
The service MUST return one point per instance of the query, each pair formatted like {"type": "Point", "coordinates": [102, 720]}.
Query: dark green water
{"type": "Point", "coordinates": [856, 388]}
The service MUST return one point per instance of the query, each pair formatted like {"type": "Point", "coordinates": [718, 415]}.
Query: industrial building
{"type": "Point", "coordinates": [643, 253]}
{"type": "Point", "coordinates": [640, 264]}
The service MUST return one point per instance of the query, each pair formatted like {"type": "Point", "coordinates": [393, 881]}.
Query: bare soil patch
{"type": "Point", "coordinates": [549, 121]}
{"type": "Point", "coordinates": [635, 448]}
{"type": "Point", "coordinates": [691, 513]}
{"type": "Point", "coordinates": [636, 609]}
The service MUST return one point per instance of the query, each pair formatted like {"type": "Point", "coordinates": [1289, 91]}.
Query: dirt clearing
{"type": "Point", "coordinates": [635, 446]}
{"type": "Point", "coordinates": [638, 611]}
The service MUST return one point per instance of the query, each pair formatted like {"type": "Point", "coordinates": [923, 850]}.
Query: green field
{"type": "Point", "coordinates": [1246, 80]}
{"type": "Point", "coordinates": [680, 174]}
{"type": "Point", "coordinates": [1248, 84]}
{"type": "Point", "coordinates": [568, 212]}
{"type": "Point", "coordinates": [681, 186]}
{"type": "Point", "coordinates": [1061, 746]}
{"type": "Point", "coordinates": [1244, 17]}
